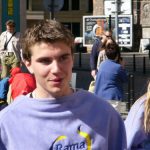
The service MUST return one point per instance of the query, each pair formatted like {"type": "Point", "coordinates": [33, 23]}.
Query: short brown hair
{"type": "Point", "coordinates": [112, 49]}
{"type": "Point", "coordinates": [47, 31]}
{"type": "Point", "coordinates": [10, 23]}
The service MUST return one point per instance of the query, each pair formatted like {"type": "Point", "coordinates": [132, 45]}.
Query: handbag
{"type": "Point", "coordinates": [92, 86]}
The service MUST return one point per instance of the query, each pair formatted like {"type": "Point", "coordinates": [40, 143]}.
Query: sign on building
{"type": "Point", "coordinates": [125, 30]}
{"type": "Point", "coordinates": [94, 25]}
{"type": "Point", "coordinates": [124, 7]}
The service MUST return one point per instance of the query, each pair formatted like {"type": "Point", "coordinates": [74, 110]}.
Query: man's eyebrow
{"type": "Point", "coordinates": [42, 58]}
{"type": "Point", "coordinates": [66, 54]}
{"type": "Point", "coordinates": [107, 35]}
{"type": "Point", "coordinates": [48, 57]}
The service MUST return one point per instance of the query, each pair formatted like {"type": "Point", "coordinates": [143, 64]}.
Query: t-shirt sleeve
{"type": "Point", "coordinates": [133, 122]}
{"type": "Point", "coordinates": [117, 133]}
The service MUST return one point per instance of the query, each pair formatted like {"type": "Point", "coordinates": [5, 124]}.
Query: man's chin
{"type": "Point", "coordinates": [56, 91]}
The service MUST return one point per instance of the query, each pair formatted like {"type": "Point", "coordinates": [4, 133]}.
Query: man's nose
{"type": "Point", "coordinates": [55, 67]}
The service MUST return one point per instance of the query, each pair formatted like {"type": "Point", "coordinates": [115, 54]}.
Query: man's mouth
{"type": "Point", "coordinates": [56, 80]}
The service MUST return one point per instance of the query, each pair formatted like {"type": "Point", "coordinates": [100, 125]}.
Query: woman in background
{"type": "Point", "coordinates": [111, 74]}
{"type": "Point", "coordinates": [137, 124]}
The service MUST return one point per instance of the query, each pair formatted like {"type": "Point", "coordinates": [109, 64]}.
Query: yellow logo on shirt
{"type": "Point", "coordinates": [60, 144]}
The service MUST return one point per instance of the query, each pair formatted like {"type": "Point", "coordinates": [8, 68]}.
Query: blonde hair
{"type": "Point", "coordinates": [147, 112]}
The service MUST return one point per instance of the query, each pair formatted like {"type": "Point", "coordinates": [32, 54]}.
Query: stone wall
{"type": "Point", "coordinates": [98, 7]}
{"type": "Point", "coordinates": [141, 19]}
{"type": "Point", "coordinates": [145, 18]}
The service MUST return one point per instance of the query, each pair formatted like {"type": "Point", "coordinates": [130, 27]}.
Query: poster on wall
{"type": "Point", "coordinates": [93, 26]}
{"type": "Point", "coordinates": [144, 45]}
{"type": "Point", "coordinates": [125, 30]}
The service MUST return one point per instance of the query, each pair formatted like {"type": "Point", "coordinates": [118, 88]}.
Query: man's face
{"type": "Point", "coordinates": [98, 31]}
{"type": "Point", "coordinates": [108, 34]}
{"type": "Point", "coordinates": [52, 66]}
{"type": "Point", "coordinates": [99, 22]}
{"type": "Point", "coordinates": [10, 29]}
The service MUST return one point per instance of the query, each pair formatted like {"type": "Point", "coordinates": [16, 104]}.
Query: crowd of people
{"type": "Point", "coordinates": [45, 112]}
{"type": "Point", "coordinates": [13, 79]}
{"type": "Point", "coordinates": [108, 83]}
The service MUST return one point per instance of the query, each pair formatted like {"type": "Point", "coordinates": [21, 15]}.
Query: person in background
{"type": "Point", "coordinates": [21, 83]}
{"type": "Point", "coordinates": [95, 51]}
{"type": "Point", "coordinates": [54, 115]}
{"type": "Point", "coordinates": [106, 40]}
{"type": "Point", "coordinates": [137, 124]}
{"type": "Point", "coordinates": [10, 46]}
{"type": "Point", "coordinates": [111, 74]}
{"type": "Point", "coordinates": [4, 86]}
{"type": "Point", "coordinates": [97, 56]}
{"type": "Point", "coordinates": [98, 28]}
{"type": "Point", "coordinates": [102, 55]}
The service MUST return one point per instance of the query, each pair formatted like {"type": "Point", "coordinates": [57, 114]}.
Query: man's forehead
{"type": "Point", "coordinates": [107, 33]}
{"type": "Point", "coordinates": [44, 48]}
{"type": "Point", "coordinates": [8, 26]}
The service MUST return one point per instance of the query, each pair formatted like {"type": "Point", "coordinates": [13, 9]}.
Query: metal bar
{"type": "Point", "coordinates": [52, 8]}
{"type": "Point", "coordinates": [132, 89]}
{"type": "Point", "coordinates": [144, 65]}
{"type": "Point", "coordinates": [116, 19]}
{"type": "Point", "coordinates": [134, 63]}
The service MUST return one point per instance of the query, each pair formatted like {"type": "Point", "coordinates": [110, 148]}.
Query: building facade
{"type": "Point", "coordinates": [140, 11]}
{"type": "Point", "coordinates": [13, 9]}
{"type": "Point", "coordinates": [72, 12]}
{"type": "Point", "coordinates": [70, 15]}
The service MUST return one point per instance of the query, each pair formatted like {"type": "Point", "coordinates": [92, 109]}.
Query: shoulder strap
{"type": "Point", "coordinates": [6, 43]}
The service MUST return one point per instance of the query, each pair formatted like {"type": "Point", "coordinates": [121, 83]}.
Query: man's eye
{"type": "Point", "coordinates": [63, 58]}
{"type": "Point", "coordinates": [45, 61]}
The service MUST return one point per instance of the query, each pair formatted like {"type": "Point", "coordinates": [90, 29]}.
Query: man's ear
{"type": "Point", "coordinates": [28, 65]}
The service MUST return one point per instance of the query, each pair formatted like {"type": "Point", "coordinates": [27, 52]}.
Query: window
{"type": "Point", "coordinates": [27, 5]}
{"type": "Point", "coordinates": [75, 5]}
{"type": "Point", "coordinates": [37, 5]}
{"type": "Point", "coordinates": [90, 6]}
{"type": "Point", "coordinates": [67, 25]}
{"type": "Point", "coordinates": [66, 5]}
{"type": "Point", "coordinates": [74, 27]}
{"type": "Point", "coordinates": [71, 5]}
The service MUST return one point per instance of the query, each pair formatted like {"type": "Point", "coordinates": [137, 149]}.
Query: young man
{"type": "Point", "coordinates": [55, 116]}
{"type": "Point", "coordinates": [10, 48]}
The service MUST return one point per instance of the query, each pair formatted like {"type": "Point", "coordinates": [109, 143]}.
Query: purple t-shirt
{"type": "Point", "coordinates": [80, 121]}
{"type": "Point", "coordinates": [137, 139]}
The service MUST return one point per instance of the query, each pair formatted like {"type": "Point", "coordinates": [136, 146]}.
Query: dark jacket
{"type": "Point", "coordinates": [95, 53]}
